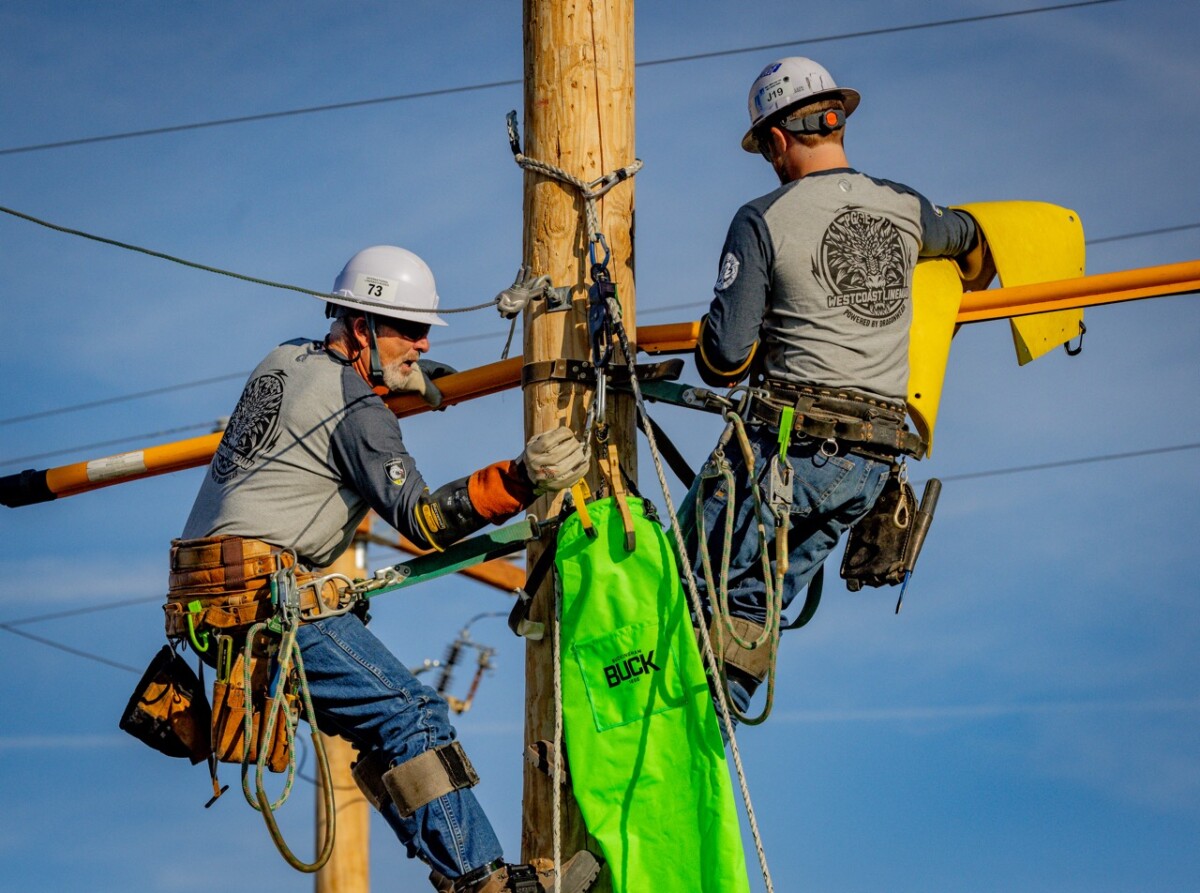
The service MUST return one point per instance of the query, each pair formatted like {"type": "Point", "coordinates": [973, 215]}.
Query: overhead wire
{"type": "Point", "coordinates": [428, 93]}
{"type": "Point", "coordinates": [108, 401]}
{"type": "Point", "coordinates": [687, 305]}
{"type": "Point", "coordinates": [489, 85]}
{"type": "Point", "coordinates": [1067, 463]}
{"type": "Point", "coordinates": [1146, 232]}
{"type": "Point", "coordinates": [10, 625]}
{"type": "Point", "coordinates": [19, 460]}
{"type": "Point", "coordinates": [78, 652]}
{"type": "Point", "coordinates": [206, 268]}
{"type": "Point", "coordinates": [167, 389]}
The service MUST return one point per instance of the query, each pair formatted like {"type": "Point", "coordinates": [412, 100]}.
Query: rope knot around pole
{"type": "Point", "coordinates": [589, 190]}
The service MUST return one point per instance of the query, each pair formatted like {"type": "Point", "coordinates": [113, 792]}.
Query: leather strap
{"type": "Point", "coordinates": [755, 663]}
{"type": "Point", "coordinates": [230, 576]}
{"type": "Point", "coordinates": [839, 415]}
{"type": "Point", "coordinates": [428, 776]}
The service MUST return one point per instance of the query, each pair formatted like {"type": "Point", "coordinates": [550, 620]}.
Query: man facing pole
{"type": "Point", "coordinates": [813, 303]}
{"type": "Point", "coordinates": [310, 448]}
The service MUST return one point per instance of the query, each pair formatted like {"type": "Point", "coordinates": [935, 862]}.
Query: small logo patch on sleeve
{"type": "Point", "coordinates": [730, 266]}
{"type": "Point", "coordinates": [396, 472]}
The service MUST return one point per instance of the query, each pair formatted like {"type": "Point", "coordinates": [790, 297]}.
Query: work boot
{"type": "Point", "coordinates": [578, 874]}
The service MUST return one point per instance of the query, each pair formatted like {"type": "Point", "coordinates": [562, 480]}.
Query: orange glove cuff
{"type": "Point", "coordinates": [500, 491]}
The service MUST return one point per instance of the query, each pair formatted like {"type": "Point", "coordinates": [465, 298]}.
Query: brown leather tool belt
{"type": "Point", "coordinates": [230, 577]}
{"type": "Point", "coordinates": [870, 427]}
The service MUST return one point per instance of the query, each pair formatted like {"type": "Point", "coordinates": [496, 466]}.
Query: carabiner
{"type": "Point", "coordinates": [599, 238]}
{"type": "Point", "coordinates": [199, 640]}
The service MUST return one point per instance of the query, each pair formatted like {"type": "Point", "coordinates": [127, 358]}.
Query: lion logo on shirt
{"type": "Point", "coordinates": [253, 428]}
{"type": "Point", "coordinates": [864, 268]}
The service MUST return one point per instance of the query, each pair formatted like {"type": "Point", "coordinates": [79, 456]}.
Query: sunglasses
{"type": "Point", "coordinates": [406, 328]}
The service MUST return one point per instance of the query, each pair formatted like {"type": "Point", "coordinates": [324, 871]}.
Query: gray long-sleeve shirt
{"type": "Point", "coordinates": [819, 273]}
{"type": "Point", "coordinates": [310, 448]}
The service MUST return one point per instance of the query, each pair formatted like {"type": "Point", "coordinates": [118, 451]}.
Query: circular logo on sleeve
{"type": "Point", "coordinates": [730, 266]}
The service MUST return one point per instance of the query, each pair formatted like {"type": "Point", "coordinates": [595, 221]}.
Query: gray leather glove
{"type": "Point", "coordinates": [525, 288]}
{"type": "Point", "coordinates": [554, 460]}
{"type": "Point", "coordinates": [421, 381]}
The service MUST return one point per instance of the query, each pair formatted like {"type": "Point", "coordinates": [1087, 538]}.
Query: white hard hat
{"type": "Point", "coordinates": [388, 282]}
{"type": "Point", "coordinates": [787, 82]}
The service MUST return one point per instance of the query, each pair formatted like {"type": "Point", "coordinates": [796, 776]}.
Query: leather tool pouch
{"type": "Point", "coordinates": [878, 545]}
{"type": "Point", "coordinates": [229, 716]}
{"type": "Point", "coordinates": [168, 709]}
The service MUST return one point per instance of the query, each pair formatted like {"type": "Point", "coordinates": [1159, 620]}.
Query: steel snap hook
{"type": "Point", "coordinates": [1078, 349]}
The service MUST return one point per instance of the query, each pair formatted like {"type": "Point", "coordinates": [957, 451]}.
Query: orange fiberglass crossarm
{"type": "Point", "coordinates": [33, 486]}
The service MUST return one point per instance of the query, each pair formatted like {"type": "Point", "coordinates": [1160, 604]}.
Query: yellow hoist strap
{"type": "Point", "coordinates": [610, 467]}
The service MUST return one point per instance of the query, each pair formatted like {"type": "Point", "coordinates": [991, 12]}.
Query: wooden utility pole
{"type": "Point", "coordinates": [579, 116]}
{"type": "Point", "coordinates": [349, 867]}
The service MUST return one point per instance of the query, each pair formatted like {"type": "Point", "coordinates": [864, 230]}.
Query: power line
{"type": "Point", "coordinates": [1067, 463]}
{"type": "Point", "coordinates": [75, 612]}
{"type": "Point", "coordinates": [467, 339]}
{"type": "Point", "coordinates": [687, 305]}
{"type": "Point", "coordinates": [108, 401]}
{"type": "Point", "coordinates": [364, 303]}
{"type": "Point", "coordinates": [875, 32]}
{"type": "Point", "coordinates": [11, 625]}
{"type": "Point", "coordinates": [490, 85]}
{"type": "Point", "coordinates": [1147, 232]}
{"type": "Point", "coordinates": [20, 460]}
{"type": "Point", "coordinates": [68, 649]}
{"type": "Point", "coordinates": [167, 389]}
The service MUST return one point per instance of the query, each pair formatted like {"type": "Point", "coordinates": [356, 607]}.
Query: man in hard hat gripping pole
{"type": "Point", "coordinates": [310, 448]}
{"type": "Point", "coordinates": [813, 302]}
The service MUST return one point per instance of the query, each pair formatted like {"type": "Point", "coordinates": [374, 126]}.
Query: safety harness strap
{"type": "Point", "coordinates": [224, 583]}
{"type": "Point", "coordinates": [424, 778]}
{"type": "Point", "coordinates": [871, 425]}
{"type": "Point", "coordinates": [224, 561]}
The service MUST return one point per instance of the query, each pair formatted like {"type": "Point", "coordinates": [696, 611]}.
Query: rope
{"type": "Point", "coordinates": [589, 191]}
{"type": "Point", "coordinates": [718, 465]}
{"type": "Point", "coordinates": [557, 779]}
{"type": "Point", "coordinates": [289, 652]}
{"type": "Point", "coordinates": [694, 596]}
{"type": "Point", "coordinates": [232, 275]}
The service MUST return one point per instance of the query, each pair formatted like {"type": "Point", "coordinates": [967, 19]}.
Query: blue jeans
{"type": "Point", "coordinates": [829, 494]}
{"type": "Point", "coordinates": [362, 692]}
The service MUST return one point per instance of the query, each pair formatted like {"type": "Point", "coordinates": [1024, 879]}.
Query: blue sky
{"type": "Point", "coordinates": [1029, 722]}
